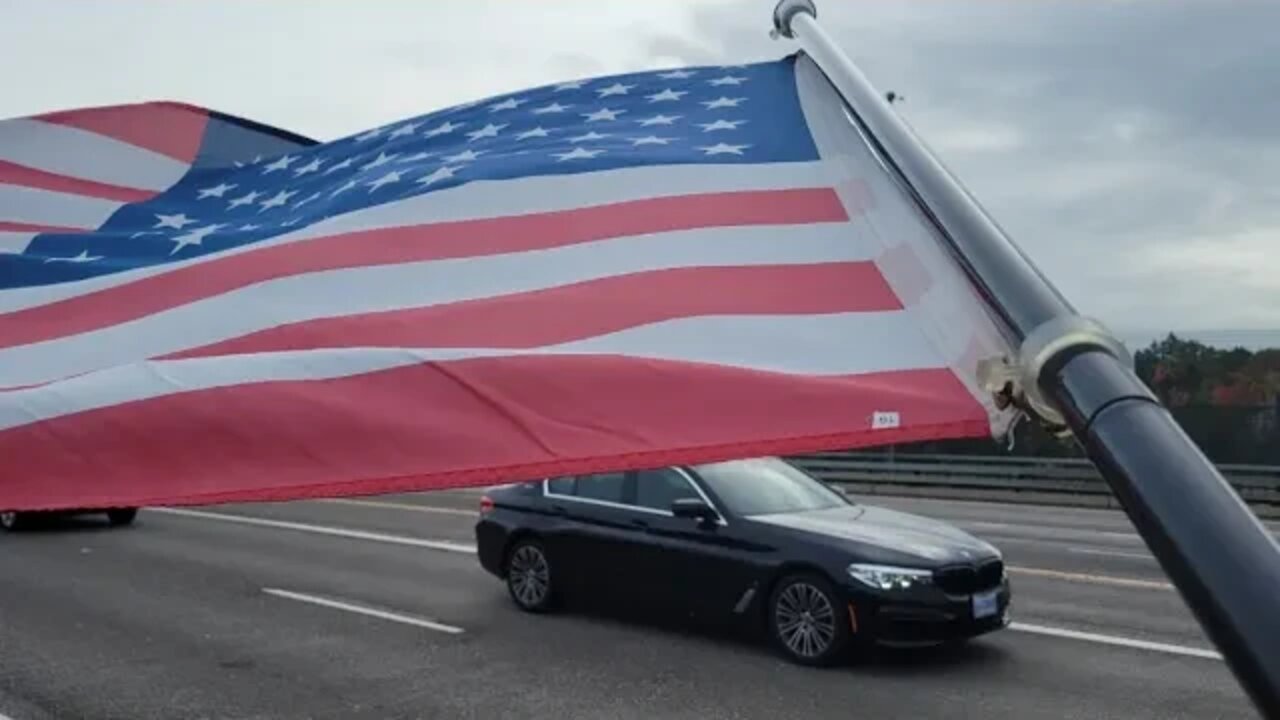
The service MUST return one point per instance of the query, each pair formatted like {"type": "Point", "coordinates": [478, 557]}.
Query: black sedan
{"type": "Point", "coordinates": [753, 539]}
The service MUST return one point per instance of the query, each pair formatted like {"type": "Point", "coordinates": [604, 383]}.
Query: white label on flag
{"type": "Point", "coordinates": [883, 419]}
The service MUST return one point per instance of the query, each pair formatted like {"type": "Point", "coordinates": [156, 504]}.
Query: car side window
{"type": "Point", "coordinates": [608, 487]}
{"type": "Point", "coordinates": [657, 489]}
{"type": "Point", "coordinates": [561, 485]}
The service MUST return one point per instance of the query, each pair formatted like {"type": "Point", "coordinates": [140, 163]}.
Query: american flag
{"type": "Point", "coordinates": [624, 271]}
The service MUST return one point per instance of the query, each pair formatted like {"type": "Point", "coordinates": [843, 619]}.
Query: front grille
{"type": "Point", "coordinates": [966, 579]}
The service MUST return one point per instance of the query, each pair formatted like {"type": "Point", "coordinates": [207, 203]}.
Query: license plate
{"type": "Point", "coordinates": [986, 604]}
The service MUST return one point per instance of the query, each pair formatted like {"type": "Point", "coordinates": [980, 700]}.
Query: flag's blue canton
{"type": "Point", "coordinates": [718, 114]}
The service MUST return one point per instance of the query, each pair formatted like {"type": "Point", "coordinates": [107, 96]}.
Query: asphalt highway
{"type": "Point", "coordinates": [376, 608]}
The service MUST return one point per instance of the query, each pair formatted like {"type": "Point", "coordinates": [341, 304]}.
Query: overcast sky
{"type": "Point", "coordinates": [1132, 148]}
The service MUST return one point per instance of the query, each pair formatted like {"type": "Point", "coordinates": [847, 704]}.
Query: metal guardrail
{"type": "Point", "coordinates": [1064, 481]}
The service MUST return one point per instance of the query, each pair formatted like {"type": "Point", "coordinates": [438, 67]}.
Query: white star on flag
{"type": "Point", "coordinates": [416, 157]}
{"type": "Point", "coordinates": [276, 200]}
{"type": "Point", "coordinates": [659, 120]}
{"type": "Point", "coordinates": [310, 167]}
{"type": "Point", "coordinates": [369, 135]}
{"type": "Point", "coordinates": [344, 187]}
{"type": "Point", "coordinates": [340, 166]}
{"type": "Point", "coordinates": [577, 154]}
{"type": "Point", "coordinates": [195, 237]}
{"type": "Point", "coordinates": [554, 107]}
{"type": "Point", "coordinates": [727, 80]}
{"type": "Point", "coordinates": [310, 198]}
{"type": "Point", "coordinates": [280, 164]}
{"type": "Point", "coordinates": [722, 102]}
{"type": "Point", "coordinates": [443, 128]}
{"type": "Point", "coordinates": [83, 257]}
{"type": "Point", "coordinates": [464, 156]}
{"type": "Point", "coordinates": [487, 131]}
{"type": "Point", "coordinates": [605, 114]}
{"type": "Point", "coordinates": [572, 85]}
{"type": "Point", "coordinates": [391, 177]}
{"type": "Point", "coordinates": [593, 135]}
{"type": "Point", "coordinates": [667, 94]}
{"type": "Point", "coordinates": [215, 191]}
{"type": "Point", "coordinates": [249, 226]}
{"type": "Point", "coordinates": [379, 161]}
{"type": "Point", "coordinates": [721, 125]}
{"type": "Point", "coordinates": [177, 222]}
{"type": "Point", "coordinates": [404, 130]}
{"type": "Point", "coordinates": [676, 75]}
{"type": "Point", "coordinates": [508, 104]}
{"type": "Point", "coordinates": [614, 89]}
{"type": "Point", "coordinates": [651, 140]}
{"type": "Point", "coordinates": [723, 149]}
{"type": "Point", "coordinates": [536, 132]}
{"type": "Point", "coordinates": [246, 199]}
{"type": "Point", "coordinates": [443, 173]}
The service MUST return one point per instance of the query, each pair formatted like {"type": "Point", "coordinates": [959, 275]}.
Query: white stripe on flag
{"type": "Point", "coordinates": [912, 256]}
{"type": "Point", "coordinates": [805, 345]}
{"type": "Point", "coordinates": [15, 242]}
{"type": "Point", "coordinates": [86, 155]}
{"type": "Point", "coordinates": [420, 284]}
{"type": "Point", "coordinates": [486, 199]}
{"type": "Point", "coordinates": [34, 206]}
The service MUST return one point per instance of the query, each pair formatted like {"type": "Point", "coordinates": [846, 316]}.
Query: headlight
{"type": "Point", "coordinates": [887, 577]}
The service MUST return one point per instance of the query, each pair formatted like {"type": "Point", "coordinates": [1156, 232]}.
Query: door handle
{"type": "Point", "coordinates": [640, 523]}
{"type": "Point", "coordinates": [559, 510]}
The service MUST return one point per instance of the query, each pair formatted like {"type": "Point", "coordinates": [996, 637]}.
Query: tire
{"type": "Point", "coordinates": [529, 576]}
{"type": "Point", "coordinates": [807, 621]}
{"type": "Point", "coordinates": [122, 516]}
{"type": "Point", "coordinates": [12, 521]}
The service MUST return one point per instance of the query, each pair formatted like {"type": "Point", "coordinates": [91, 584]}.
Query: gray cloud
{"type": "Point", "coordinates": [1132, 148]}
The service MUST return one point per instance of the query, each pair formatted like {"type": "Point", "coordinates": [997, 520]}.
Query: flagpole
{"type": "Point", "coordinates": [1073, 371]}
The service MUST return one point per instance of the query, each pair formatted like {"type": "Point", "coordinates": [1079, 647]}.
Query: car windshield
{"type": "Point", "coordinates": [765, 486]}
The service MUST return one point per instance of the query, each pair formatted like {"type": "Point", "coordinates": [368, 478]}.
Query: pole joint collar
{"type": "Point", "coordinates": [785, 12]}
{"type": "Point", "coordinates": [1018, 383]}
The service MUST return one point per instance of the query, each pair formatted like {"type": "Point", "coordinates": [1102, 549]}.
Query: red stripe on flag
{"type": "Point", "coordinates": [14, 174]}
{"type": "Point", "coordinates": [172, 129]}
{"type": "Point", "coordinates": [6, 226]}
{"type": "Point", "coordinates": [465, 238]}
{"type": "Point", "coordinates": [587, 309]}
{"type": "Point", "coordinates": [460, 423]}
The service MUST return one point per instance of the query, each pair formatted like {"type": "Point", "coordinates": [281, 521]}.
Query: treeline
{"type": "Point", "coordinates": [1227, 400]}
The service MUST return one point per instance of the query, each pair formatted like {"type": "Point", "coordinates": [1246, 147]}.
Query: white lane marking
{"type": "Point", "coordinates": [445, 545]}
{"type": "Point", "coordinates": [1110, 553]}
{"type": "Point", "coordinates": [402, 506]}
{"type": "Point", "coordinates": [1089, 578]}
{"type": "Point", "coordinates": [1117, 640]}
{"type": "Point", "coordinates": [361, 610]}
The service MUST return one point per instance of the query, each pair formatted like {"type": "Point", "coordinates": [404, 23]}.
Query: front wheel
{"type": "Point", "coordinates": [122, 516]}
{"type": "Point", "coordinates": [11, 521]}
{"type": "Point", "coordinates": [529, 576]}
{"type": "Point", "coordinates": [806, 621]}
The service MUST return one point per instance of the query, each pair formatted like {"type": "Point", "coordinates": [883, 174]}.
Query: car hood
{"type": "Point", "coordinates": [899, 533]}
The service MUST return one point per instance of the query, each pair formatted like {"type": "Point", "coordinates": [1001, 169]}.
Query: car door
{"type": "Point", "coordinates": [596, 536]}
{"type": "Point", "coordinates": [705, 568]}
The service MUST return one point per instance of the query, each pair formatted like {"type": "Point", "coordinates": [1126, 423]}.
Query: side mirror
{"type": "Point", "coordinates": [694, 508]}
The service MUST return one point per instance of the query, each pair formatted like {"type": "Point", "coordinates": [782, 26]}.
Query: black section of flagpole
{"type": "Point", "coordinates": [1219, 556]}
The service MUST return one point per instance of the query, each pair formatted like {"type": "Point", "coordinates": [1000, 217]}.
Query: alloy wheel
{"type": "Point", "coordinates": [805, 620]}
{"type": "Point", "coordinates": [529, 576]}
